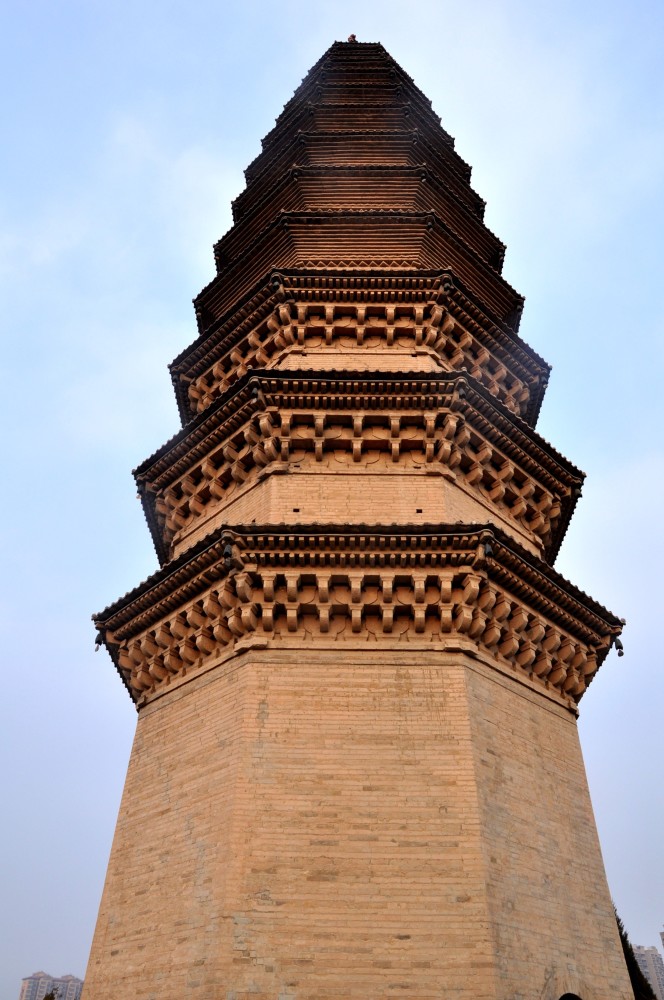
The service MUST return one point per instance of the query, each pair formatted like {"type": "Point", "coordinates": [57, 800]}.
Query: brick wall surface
{"type": "Point", "coordinates": [549, 904]}
{"type": "Point", "coordinates": [311, 826]}
{"type": "Point", "coordinates": [343, 493]}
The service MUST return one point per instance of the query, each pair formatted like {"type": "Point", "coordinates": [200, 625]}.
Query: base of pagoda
{"type": "Point", "coordinates": [322, 823]}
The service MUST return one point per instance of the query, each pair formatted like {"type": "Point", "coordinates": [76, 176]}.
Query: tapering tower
{"type": "Point", "coordinates": [356, 771]}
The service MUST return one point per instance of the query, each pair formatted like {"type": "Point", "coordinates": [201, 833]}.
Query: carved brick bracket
{"type": "Point", "coordinates": [346, 312]}
{"type": "Point", "coordinates": [328, 587]}
{"type": "Point", "coordinates": [429, 424]}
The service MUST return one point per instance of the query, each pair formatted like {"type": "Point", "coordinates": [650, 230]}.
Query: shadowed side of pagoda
{"type": "Point", "coordinates": [356, 771]}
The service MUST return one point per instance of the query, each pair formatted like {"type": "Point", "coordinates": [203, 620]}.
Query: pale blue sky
{"type": "Point", "coordinates": [125, 130]}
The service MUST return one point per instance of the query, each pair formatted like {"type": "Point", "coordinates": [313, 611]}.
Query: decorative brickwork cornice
{"type": "Point", "coordinates": [364, 147]}
{"type": "Point", "coordinates": [428, 588]}
{"type": "Point", "coordinates": [284, 420]}
{"type": "Point", "coordinates": [332, 116]}
{"type": "Point", "coordinates": [403, 312]}
{"type": "Point", "coordinates": [354, 239]}
{"type": "Point", "coordinates": [335, 187]}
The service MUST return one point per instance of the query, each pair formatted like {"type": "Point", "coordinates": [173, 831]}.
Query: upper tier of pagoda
{"type": "Point", "coordinates": [358, 177]}
{"type": "Point", "coordinates": [358, 173]}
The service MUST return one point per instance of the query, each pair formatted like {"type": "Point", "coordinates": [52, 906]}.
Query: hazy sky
{"type": "Point", "coordinates": [125, 131]}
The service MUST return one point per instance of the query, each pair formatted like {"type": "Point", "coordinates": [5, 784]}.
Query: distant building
{"type": "Point", "coordinates": [652, 967]}
{"type": "Point", "coordinates": [36, 986]}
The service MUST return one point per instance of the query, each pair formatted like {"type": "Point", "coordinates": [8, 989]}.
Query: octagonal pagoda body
{"type": "Point", "coordinates": [356, 770]}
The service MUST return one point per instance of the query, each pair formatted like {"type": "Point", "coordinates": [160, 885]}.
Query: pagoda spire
{"type": "Point", "coordinates": [356, 671]}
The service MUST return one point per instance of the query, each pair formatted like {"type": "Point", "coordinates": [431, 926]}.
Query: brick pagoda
{"type": "Point", "coordinates": [356, 771]}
